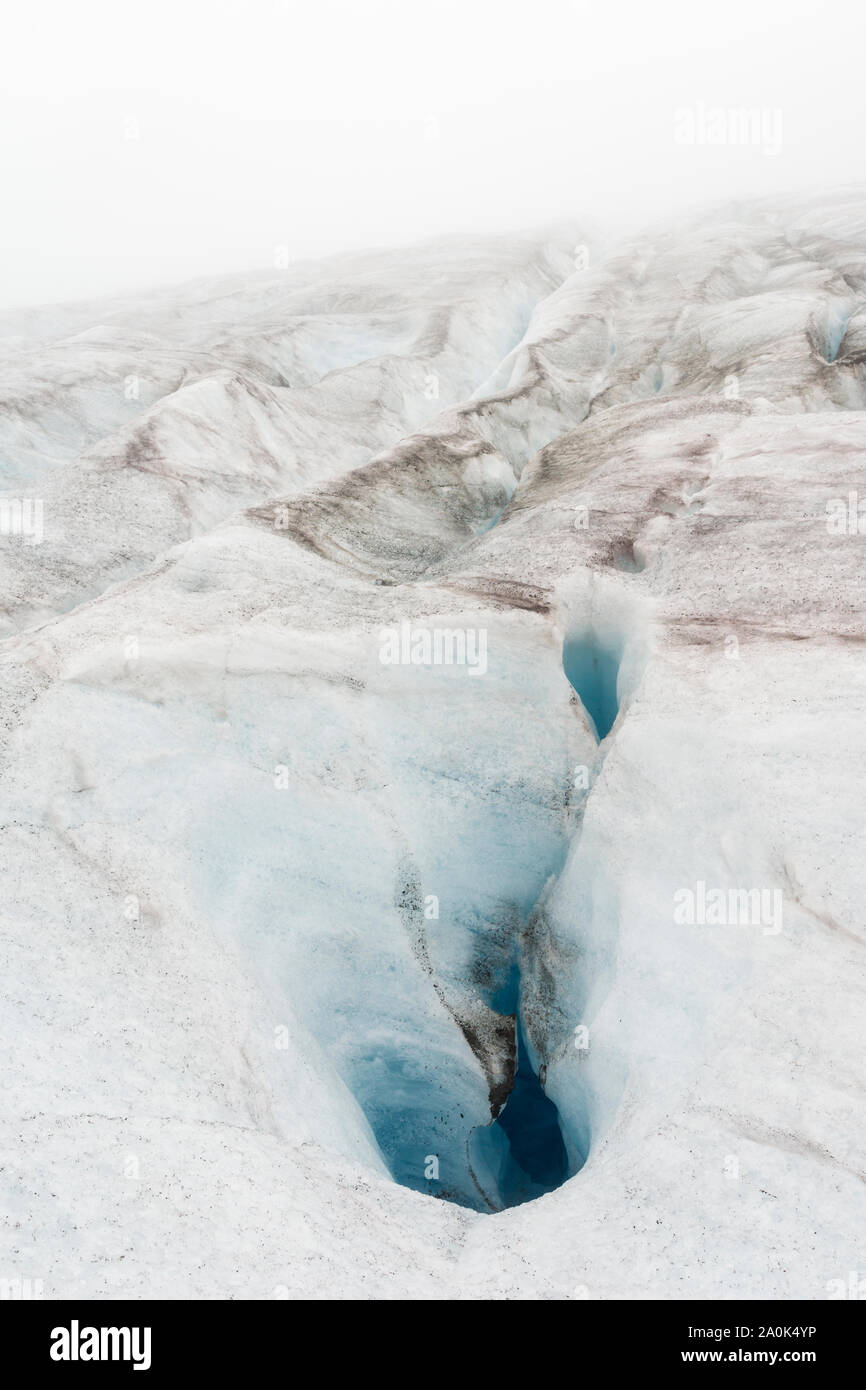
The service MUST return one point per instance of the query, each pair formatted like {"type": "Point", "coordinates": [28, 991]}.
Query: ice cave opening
{"type": "Point", "coordinates": [521, 1154]}
{"type": "Point", "coordinates": [535, 1161]}
{"type": "Point", "coordinates": [591, 664]}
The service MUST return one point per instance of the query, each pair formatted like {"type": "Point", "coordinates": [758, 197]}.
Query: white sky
{"type": "Point", "coordinates": [325, 124]}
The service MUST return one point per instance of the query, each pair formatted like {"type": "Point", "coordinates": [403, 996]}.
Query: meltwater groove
{"type": "Point", "coordinates": [536, 1159]}
{"type": "Point", "coordinates": [521, 1152]}
{"type": "Point", "coordinates": [591, 663]}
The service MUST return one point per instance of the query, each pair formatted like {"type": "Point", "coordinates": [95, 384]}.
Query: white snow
{"type": "Point", "coordinates": [266, 893]}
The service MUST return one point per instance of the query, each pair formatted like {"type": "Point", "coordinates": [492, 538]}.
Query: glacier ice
{"type": "Point", "coordinates": [325, 975]}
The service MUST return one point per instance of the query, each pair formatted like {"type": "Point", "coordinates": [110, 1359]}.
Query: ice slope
{"type": "Point", "coordinates": [158, 419]}
{"type": "Point", "coordinates": [272, 904]}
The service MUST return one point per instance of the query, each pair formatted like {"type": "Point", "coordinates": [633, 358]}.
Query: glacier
{"type": "Point", "coordinates": [410, 632]}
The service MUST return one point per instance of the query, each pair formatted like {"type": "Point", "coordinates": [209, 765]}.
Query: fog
{"type": "Point", "coordinates": [154, 143]}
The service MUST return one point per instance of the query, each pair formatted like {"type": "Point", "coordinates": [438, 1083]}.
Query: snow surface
{"type": "Point", "coordinates": [231, 1017]}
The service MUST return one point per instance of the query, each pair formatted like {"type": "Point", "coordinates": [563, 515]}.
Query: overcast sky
{"type": "Point", "coordinates": [153, 142]}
